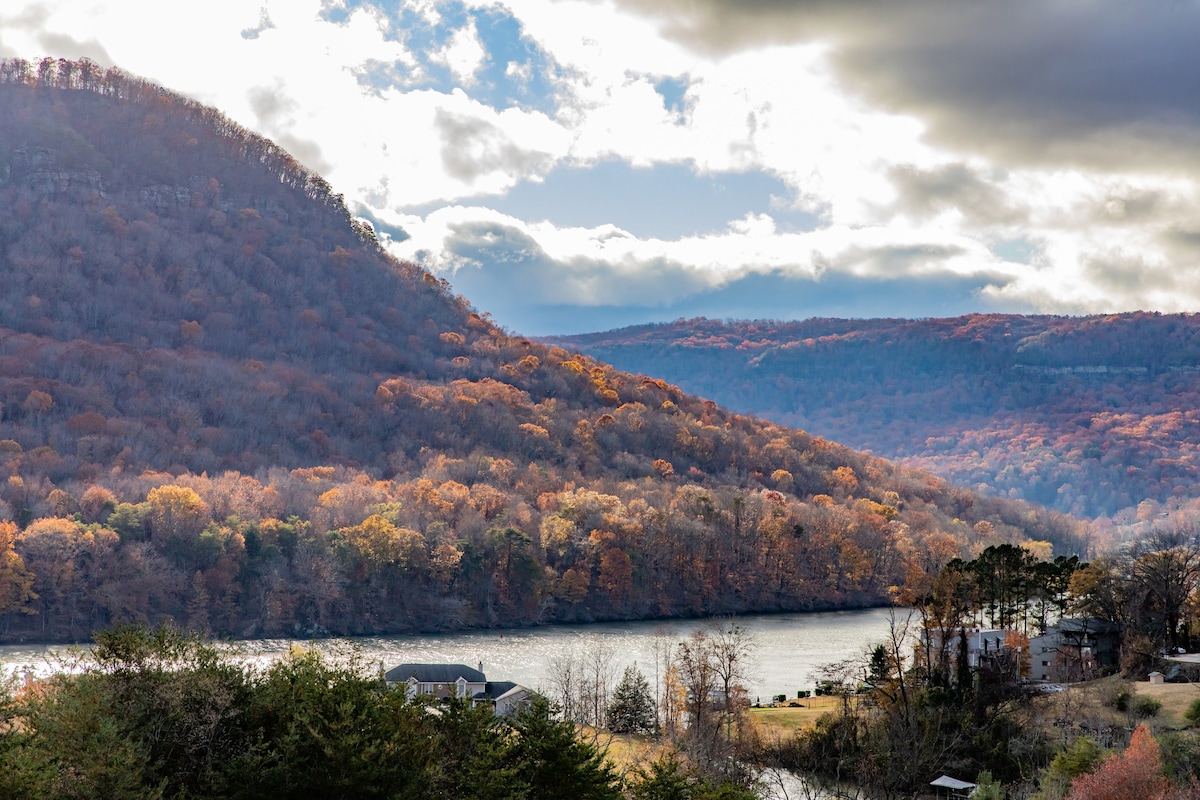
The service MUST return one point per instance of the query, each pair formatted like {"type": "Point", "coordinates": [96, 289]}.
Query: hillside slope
{"type": "Point", "coordinates": [223, 404]}
{"type": "Point", "coordinates": [1091, 416]}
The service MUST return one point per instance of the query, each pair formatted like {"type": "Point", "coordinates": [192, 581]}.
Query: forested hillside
{"type": "Point", "coordinates": [1088, 415]}
{"type": "Point", "coordinates": [224, 405]}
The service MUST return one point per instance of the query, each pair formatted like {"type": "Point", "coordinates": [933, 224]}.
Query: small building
{"type": "Point", "coordinates": [948, 787]}
{"type": "Point", "coordinates": [1157, 677]}
{"type": "Point", "coordinates": [445, 681]}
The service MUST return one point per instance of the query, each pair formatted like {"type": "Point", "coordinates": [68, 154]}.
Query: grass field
{"type": "Point", "coordinates": [1088, 700]}
{"type": "Point", "coordinates": [1175, 699]}
{"type": "Point", "coordinates": [787, 720]}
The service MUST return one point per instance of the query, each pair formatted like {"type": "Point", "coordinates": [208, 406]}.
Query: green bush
{"type": "Point", "coordinates": [1146, 707]}
{"type": "Point", "coordinates": [987, 788]}
{"type": "Point", "coordinates": [1192, 714]}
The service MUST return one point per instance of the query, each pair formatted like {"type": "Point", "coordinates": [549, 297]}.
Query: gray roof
{"type": "Point", "coordinates": [515, 691]}
{"type": "Point", "coordinates": [434, 673]}
{"type": "Point", "coordinates": [1087, 625]}
{"type": "Point", "coordinates": [946, 782]}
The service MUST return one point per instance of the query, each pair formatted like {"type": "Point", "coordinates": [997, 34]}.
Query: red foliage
{"type": "Point", "coordinates": [1135, 774]}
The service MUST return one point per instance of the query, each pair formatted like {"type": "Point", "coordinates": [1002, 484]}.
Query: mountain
{"type": "Point", "coordinates": [225, 405]}
{"type": "Point", "coordinates": [1094, 416]}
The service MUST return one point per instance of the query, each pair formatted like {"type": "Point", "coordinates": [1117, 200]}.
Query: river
{"type": "Point", "coordinates": [789, 648]}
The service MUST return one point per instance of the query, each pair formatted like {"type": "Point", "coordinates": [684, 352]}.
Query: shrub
{"type": "Point", "coordinates": [1117, 697]}
{"type": "Point", "coordinates": [1192, 714]}
{"type": "Point", "coordinates": [1146, 707]}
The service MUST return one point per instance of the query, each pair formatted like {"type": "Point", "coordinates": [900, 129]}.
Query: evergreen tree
{"type": "Point", "coordinates": [632, 707]}
{"type": "Point", "coordinates": [553, 763]}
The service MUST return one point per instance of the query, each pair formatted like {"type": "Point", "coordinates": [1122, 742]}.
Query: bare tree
{"type": "Point", "coordinates": [1166, 573]}
{"type": "Point", "coordinates": [581, 682]}
{"type": "Point", "coordinates": [732, 649]}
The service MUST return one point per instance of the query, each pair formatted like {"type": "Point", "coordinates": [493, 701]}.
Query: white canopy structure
{"type": "Point", "coordinates": [952, 787]}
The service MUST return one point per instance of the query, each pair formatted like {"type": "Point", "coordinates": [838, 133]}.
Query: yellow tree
{"type": "Point", "coordinates": [175, 511]}
{"type": "Point", "coordinates": [66, 560]}
{"type": "Point", "coordinates": [380, 543]}
{"type": "Point", "coordinates": [16, 584]}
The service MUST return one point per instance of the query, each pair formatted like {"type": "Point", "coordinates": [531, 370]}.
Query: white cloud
{"type": "Point", "coordinates": [463, 54]}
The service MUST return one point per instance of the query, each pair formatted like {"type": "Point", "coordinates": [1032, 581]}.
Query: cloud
{"type": "Point", "coordinates": [463, 54]}
{"type": "Point", "coordinates": [1108, 86]}
{"type": "Point", "coordinates": [264, 24]}
{"type": "Point", "coordinates": [665, 201]}
{"type": "Point", "coordinates": [925, 193]}
{"type": "Point", "coordinates": [30, 25]}
{"type": "Point", "coordinates": [529, 275]}
{"type": "Point", "coordinates": [276, 112]}
{"type": "Point", "coordinates": [473, 147]}
{"type": "Point", "coordinates": [504, 263]}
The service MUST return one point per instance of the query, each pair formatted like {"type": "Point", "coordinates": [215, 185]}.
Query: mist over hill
{"type": "Point", "coordinates": [224, 405]}
{"type": "Point", "coordinates": [1093, 416]}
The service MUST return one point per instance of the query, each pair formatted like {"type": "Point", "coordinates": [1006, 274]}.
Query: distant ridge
{"type": "Point", "coordinates": [1089, 415]}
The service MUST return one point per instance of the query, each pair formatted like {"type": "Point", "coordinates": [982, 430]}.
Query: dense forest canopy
{"type": "Point", "coordinates": [1093, 416]}
{"type": "Point", "coordinates": [224, 405]}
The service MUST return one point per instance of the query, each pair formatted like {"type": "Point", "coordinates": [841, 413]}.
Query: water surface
{"type": "Point", "coordinates": [789, 649]}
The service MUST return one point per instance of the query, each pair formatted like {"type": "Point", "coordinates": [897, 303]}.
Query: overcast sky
{"type": "Point", "coordinates": [572, 165]}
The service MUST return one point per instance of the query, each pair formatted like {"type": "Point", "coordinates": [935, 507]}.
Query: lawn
{"type": "Point", "coordinates": [788, 720]}
{"type": "Point", "coordinates": [1175, 699]}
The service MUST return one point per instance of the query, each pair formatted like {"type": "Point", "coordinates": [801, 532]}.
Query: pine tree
{"type": "Point", "coordinates": [632, 707]}
{"type": "Point", "coordinates": [553, 763]}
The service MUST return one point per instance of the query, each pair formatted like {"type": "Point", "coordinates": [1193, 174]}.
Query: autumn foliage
{"type": "Point", "coordinates": [222, 404]}
{"type": "Point", "coordinates": [1135, 774]}
{"type": "Point", "coordinates": [1092, 416]}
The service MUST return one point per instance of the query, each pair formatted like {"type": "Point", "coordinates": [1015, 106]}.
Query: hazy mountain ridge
{"type": "Point", "coordinates": [1090, 415]}
{"type": "Point", "coordinates": [223, 404]}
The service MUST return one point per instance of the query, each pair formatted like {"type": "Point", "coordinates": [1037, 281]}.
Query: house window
{"type": "Point", "coordinates": [1045, 663]}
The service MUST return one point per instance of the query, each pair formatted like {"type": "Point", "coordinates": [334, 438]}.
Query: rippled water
{"type": "Point", "coordinates": [790, 648]}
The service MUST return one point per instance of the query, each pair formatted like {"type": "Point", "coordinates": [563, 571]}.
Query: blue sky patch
{"type": "Point", "coordinates": [666, 201]}
{"type": "Point", "coordinates": [515, 71]}
{"type": "Point", "coordinates": [673, 92]}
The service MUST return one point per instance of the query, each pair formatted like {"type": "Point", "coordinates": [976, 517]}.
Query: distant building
{"type": "Point", "coordinates": [444, 681]}
{"type": "Point", "coordinates": [988, 649]}
{"type": "Point", "coordinates": [1076, 649]}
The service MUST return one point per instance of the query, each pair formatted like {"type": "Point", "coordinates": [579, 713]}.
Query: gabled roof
{"type": "Point", "coordinates": [500, 692]}
{"type": "Point", "coordinates": [434, 673]}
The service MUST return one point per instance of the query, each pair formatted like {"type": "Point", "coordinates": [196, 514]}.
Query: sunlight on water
{"type": "Point", "coordinates": [790, 648]}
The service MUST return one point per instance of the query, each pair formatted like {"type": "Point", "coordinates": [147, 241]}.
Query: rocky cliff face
{"type": "Point", "coordinates": [36, 168]}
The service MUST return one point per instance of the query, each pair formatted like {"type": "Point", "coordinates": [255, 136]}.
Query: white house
{"type": "Point", "coordinates": [443, 681]}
